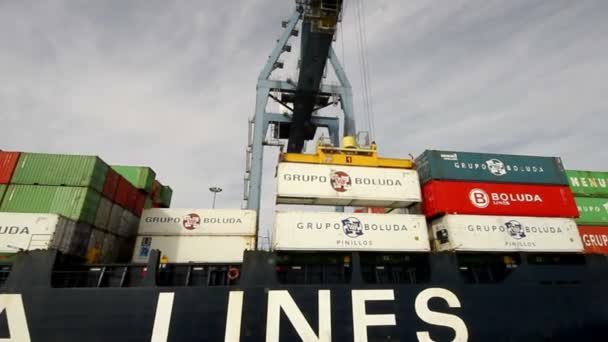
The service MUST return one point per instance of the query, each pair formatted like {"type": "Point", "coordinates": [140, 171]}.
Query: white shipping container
{"type": "Point", "coordinates": [22, 231]}
{"type": "Point", "coordinates": [212, 249]}
{"type": "Point", "coordinates": [103, 213]}
{"type": "Point", "coordinates": [505, 233]}
{"type": "Point", "coordinates": [349, 231]}
{"type": "Point", "coordinates": [317, 184]}
{"type": "Point", "coordinates": [197, 222]}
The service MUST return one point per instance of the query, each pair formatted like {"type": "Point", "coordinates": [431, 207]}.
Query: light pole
{"type": "Point", "coordinates": [215, 190]}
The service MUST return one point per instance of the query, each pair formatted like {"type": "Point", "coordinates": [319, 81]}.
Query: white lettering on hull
{"type": "Point", "coordinates": [162, 319]}
{"type": "Point", "coordinates": [281, 299]}
{"type": "Point", "coordinates": [361, 320]}
{"type": "Point", "coordinates": [438, 318]}
{"type": "Point", "coordinates": [15, 317]}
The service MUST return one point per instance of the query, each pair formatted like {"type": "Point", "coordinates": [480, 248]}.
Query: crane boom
{"type": "Point", "coordinates": [318, 28]}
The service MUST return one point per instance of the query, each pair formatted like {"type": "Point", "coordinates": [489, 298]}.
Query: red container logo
{"type": "Point", "coordinates": [476, 198]}
{"type": "Point", "coordinates": [595, 238]}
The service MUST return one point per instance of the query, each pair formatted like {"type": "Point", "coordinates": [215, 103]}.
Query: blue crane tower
{"type": "Point", "coordinates": [318, 21]}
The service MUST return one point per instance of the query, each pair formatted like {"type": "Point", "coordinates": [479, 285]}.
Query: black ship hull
{"type": "Point", "coordinates": [535, 303]}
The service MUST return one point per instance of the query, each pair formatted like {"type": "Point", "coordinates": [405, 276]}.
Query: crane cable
{"type": "Point", "coordinates": [364, 66]}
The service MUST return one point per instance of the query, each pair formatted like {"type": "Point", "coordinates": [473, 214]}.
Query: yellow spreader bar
{"type": "Point", "coordinates": [347, 156]}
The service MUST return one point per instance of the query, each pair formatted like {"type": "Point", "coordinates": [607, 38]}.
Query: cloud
{"type": "Point", "coordinates": [171, 85]}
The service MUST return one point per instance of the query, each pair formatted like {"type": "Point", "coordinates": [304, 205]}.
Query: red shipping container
{"type": "Point", "coordinates": [155, 194]}
{"type": "Point", "coordinates": [477, 198]}
{"type": "Point", "coordinates": [126, 194]}
{"type": "Point", "coordinates": [8, 161]}
{"type": "Point", "coordinates": [140, 202]}
{"type": "Point", "coordinates": [595, 238]}
{"type": "Point", "coordinates": [111, 184]}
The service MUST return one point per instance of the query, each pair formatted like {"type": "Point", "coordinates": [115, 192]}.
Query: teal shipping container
{"type": "Point", "coordinates": [75, 203]}
{"type": "Point", "coordinates": [588, 183]}
{"type": "Point", "coordinates": [140, 177]}
{"type": "Point", "coordinates": [593, 211]}
{"type": "Point", "coordinates": [488, 167]}
{"type": "Point", "coordinates": [166, 193]}
{"type": "Point", "coordinates": [2, 190]}
{"type": "Point", "coordinates": [60, 169]}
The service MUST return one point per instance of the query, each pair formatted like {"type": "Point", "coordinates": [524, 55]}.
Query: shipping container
{"type": "Point", "coordinates": [8, 162]}
{"type": "Point", "coordinates": [103, 213]}
{"type": "Point", "coordinates": [588, 183]}
{"type": "Point", "coordinates": [592, 211]}
{"type": "Point", "coordinates": [95, 246]}
{"type": "Point", "coordinates": [505, 233]}
{"type": "Point", "coordinates": [128, 224]}
{"type": "Point", "coordinates": [148, 204]}
{"type": "Point", "coordinates": [126, 194]}
{"type": "Point", "coordinates": [116, 215]}
{"type": "Point", "coordinates": [334, 231]}
{"type": "Point", "coordinates": [20, 231]}
{"type": "Point", "coordinates": [155, 193]}
{"type": "Point", "coordinates": [166, 193]}
{"type": "Point", "coordinates": [125, 249]}
{"type": "Point", "coordinates": [140, 203]}
{"type": "Point", "coordinates": [487, 167]}
{"type": "Point", "coordinates": [75, 203]}
{"type": "Point", "coordinates": [318, 184]}
{"type": "Point", "coordinates": [109, 251]}
{"type": "Point", "coordinates": [141, 177]}
{"type": "Point", "coordinates": [111, 184]}
{"type": "Point", "coordinates": [183, 249]}
{"type": "Point", "coordinates": [2, 191]}
{"type": "Point", "coordinates": [197, 222]}
{"type": "Point", "coordinates": [60, 169]}
{"type": "Point", "coordinates": [595, 238]}
{"type": "Point", "coordinates": [477, 198]}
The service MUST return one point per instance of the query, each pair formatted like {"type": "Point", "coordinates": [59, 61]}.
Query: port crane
{"type": "Point", "coordinates": [318, 21]}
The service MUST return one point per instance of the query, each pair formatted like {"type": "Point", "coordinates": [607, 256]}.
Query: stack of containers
{"type": "Point", "coordinates": [591, 191]}
{"type": "Point", "coordinates": [98, 204]}
{"type": "Point", "coordinates": [340, 185]}
{"type": "Point", "coordinates": [497, 203]}
{"type": "Point", "coordinates": [195, 235]}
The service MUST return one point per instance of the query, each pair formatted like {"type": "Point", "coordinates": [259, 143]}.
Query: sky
{"type": "Point", "coordinates": [171, 85]}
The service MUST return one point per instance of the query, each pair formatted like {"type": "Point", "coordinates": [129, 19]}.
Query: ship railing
{"type": "Point", "coordinates": [134, 275]}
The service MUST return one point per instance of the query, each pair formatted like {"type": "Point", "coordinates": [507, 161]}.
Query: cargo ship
{"type": "Point", "coordinates": [449, 246]}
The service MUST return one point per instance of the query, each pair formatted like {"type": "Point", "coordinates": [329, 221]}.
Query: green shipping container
{"type": "Point", "coordinates": [140, 177]}
{"type": "Point", "coordinates": [592, 210]}
{"type": "Point", "coordinates": [165, 195]}
{"type": "Point", "coordinates": [487, 167]}
{"type": "Point", "coordinates": [75, 203]}
{"type": "Point", "coordinates": [588, 183]}
{"type": "Point", "coordinates": [2, 190]}
{"type": "Point", "coordinates": [148, 203]}
{"type": "Point", "coordinates": [60, 169]}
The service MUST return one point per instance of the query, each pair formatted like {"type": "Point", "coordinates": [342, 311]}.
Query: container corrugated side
{"type": "Point", "coordinates": [317, 184]}
{"type": "Point", "coordinates": [109, 251]}
{"type": "Point", "coordinates": [42, 231]}
{"type": "Point", "coordinates": [588, 183]}
{"type": "Point", "coordinates": [60, 169]}
{"type": "Point", "coordinates": [219, 249]}
{"type": "Point", "coordinates": [592, 210]}
{"type": "Point", "coordinates": [166, 193]}
{"type": "Point", "coordinates": [140, 203]}
{"type": "Point", "coordinates": [482, 198]}
{"type": "Point", "coordinates": [488, 167]}
{"type": "Point", "coordinates": [111, 184]}
{"type": "Point", "coordinates": [95, 245]}
{"type": "Point", "coordinates": [8, 162]}
{"type": "Point", "coordinates": [197, 222]}
{"type": "Point", "coordinates": [349, 232]}
{"type": "Point", "coordinates": [128, 225]}
{"type": "Point", "coordinates": [155, 193]}
{"type": "Point", "coordinates": [595, 238]}
{"type": "Point", "coordinates": [140, 177]}
{"type": "Point", "coordinates": [116, 215]}
{"type": "Point", "coordinates": [75, 203]}
{"type": "Point", "coordinates": [126, 194]}
{"type": "Point", "coordinates": [2, 191]}
{"type": "Point", "coordinates": [484, 233]}
{"type": "Point", "coordinates": [103, 213]}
